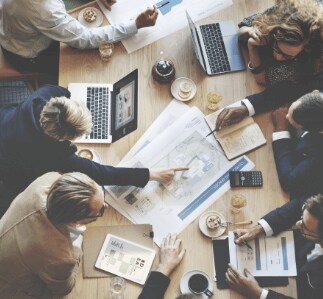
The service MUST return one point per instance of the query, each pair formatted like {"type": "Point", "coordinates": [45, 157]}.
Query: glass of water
{"type": "Point", "coordinates": [117, 287]}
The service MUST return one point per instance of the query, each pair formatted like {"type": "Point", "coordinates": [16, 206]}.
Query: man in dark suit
{"type": "Point", "coordinates": [299, 164]}
{"type": "Point", "coordinates": [35, 138]}
{"type": "Point", "coordinates": [270, 99]}
{"type": "Point", "coordinates": [308, 216]}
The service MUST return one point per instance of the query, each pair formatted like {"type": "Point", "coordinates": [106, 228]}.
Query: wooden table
{"type": "Point", "coordinates": [86, 66]}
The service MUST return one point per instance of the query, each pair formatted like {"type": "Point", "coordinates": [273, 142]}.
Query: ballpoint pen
{"type": "Point", "coordinates": [244, 242]}
{"type": "Point", "coordinates": [211, 133]}
{"type": "Point", "coordinates": [162, 4]}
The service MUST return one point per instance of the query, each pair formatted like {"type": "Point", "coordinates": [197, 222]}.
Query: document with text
{"type": "Point", "coordinates": [268, 256]}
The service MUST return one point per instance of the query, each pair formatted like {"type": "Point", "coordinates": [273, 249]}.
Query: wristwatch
{"type": "Point", "coordinates": [255, 70]}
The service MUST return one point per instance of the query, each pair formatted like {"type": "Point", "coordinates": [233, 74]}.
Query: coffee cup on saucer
{"type": "Point", "coordinates": [198, 283]}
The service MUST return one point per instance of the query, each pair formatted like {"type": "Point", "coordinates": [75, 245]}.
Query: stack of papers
{"type": "Point", "coordinates": [172, 142]}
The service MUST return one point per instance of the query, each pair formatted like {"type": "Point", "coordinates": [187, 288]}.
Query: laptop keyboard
{"type": "Point", "coordinates": [215, 49]}
{"type": "Point", "coordinates": [97, 100]}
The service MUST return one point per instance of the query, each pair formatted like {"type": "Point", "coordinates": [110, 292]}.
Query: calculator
{"type": "Point", "coordinates": [245, 178]}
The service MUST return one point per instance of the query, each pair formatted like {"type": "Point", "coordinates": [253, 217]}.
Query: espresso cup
{"type": "Point", "coordinates": [199, 284]}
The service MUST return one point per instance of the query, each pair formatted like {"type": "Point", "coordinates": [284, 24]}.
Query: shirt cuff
{"type": "Point", "coordinates": [131, 27]}
{"type": "Point", "coordinates": [281, 135]}
{"type": "Point", "coordinates": [250, 108]}
{"type": "Point", "coordinates": [268, 230]}
{"type": "Point", "coordinates": [264, 294]}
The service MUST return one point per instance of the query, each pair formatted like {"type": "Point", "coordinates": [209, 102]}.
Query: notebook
{"type": "Point", "coordinates": [216, 46]}
{"type": "Point", "coordinates": [239, 138]}
{"type": "Point", "coordinates": [114, 108]}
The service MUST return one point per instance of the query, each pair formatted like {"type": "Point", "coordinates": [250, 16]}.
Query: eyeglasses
{"type": "Point", "coordinates": [100, 214]}
{"type": "Point", "coordinates": [311, 235]}
{"type": "Point", "coordinates": [280, 52]}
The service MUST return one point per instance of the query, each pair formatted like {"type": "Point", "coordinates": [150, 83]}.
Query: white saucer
{"type": "Point", "coordinates": [184, 283]}
{"type": "Point", "coordinates": [96, 23]}
{"type": "Point", "coordinates": [211, 233]}
{"type": "Point", "coordinates": [174, 89]}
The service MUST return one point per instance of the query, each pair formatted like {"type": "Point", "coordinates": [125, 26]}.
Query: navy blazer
{"type": "Point", "coordinates": [26, 152]}
{"type": "Point", "coordinates": [299, 166]}
{"type": "Point", "coordinates": [309, 274]}
{"type": "Point", "coordinates": [155, 286]}
{"type": "Point", "coordinates": [279, 94]}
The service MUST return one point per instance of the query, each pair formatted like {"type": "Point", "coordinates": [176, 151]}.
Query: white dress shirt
{"type": "Point", "coordinates": [28, 26]}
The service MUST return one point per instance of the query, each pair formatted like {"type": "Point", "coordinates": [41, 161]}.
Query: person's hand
{"type": "Point", "coordinates": [230, 116]}
{"type": "Point", "coordinates": [170, 254]}
{"type": "Point", "coordinates": [164, 175]}
{"type": "Point", "coordinates": [147, 18]}
{"type": "Point", "coordinates": [256, 38]}
{"type": "Point", "coordinates": [108, 3]}
{"type": "Point", "coordinates": [244, 284]}
{"type": "Point", "coordinates": [279, 119]}
{"type": "Point", "coordinates": [247, 234]}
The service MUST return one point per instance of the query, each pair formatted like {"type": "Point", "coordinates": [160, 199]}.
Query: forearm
{"type": "Point", "coordinates": [68, 30]}
{"type": "Point", "coordinates": [256, 62]}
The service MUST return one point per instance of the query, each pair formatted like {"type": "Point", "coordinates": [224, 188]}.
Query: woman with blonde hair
{"type": "Point", "coordinates": [36, 137]}
{"type": "Point", "coordinates": [285, 42]}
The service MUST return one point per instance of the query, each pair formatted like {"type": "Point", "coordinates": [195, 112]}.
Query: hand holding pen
{"type": "Point", "coordinates": [243, 241]}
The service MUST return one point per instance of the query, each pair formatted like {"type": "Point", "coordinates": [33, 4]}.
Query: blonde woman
{"type": "Point", "coordinates": [36, 137]}
{"type": "Point", "coordinates": [285, 42]}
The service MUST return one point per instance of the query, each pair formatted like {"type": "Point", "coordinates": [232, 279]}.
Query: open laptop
{"type": "Point", "coordinates": [114, 108]}
{"type": "Point", "coordinates": [216, 46]}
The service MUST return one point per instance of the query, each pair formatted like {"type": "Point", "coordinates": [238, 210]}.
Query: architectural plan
{"type": "Point", "coordinates": [171, 207]}
{"type": "Point", "coordinates": [171, 17]}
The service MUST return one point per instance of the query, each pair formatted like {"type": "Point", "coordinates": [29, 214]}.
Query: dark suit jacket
{"type": "Point", "coordinates": [300, 166]}
{"type": "Point", "coordinates": [26, 152]}
{"type": "Point", "coordinates": [155, 286]}
{"type": "Point", "coordinates": [309, 274]}
{"type": "Point", "coordinates": [277, 95]}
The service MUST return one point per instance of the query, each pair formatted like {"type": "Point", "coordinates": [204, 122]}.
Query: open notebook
{"type": "Point", "coordinates": [237, 139]}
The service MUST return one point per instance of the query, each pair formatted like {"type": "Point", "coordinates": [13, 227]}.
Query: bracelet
{"type": "Point", "coordinates": [255, 70]}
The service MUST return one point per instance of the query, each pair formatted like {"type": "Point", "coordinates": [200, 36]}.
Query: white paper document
{"type": "Point", "coordinates": [171, 207]}
{"type": "Point", "coordinates": [125, 258]}
{"type": "Point", "coordinates": [269, 256]}
{"type": "Point", "coordinates": [171, 17]}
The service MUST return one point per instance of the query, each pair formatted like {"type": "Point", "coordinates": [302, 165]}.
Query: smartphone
{"type": "Point", "coordinates": [245, 178]}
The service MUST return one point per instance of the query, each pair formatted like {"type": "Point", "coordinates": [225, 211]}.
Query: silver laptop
{"type": "Point", "coordinates": [114, 108]}
{"type": "Point", "coordinates": [216, 46]}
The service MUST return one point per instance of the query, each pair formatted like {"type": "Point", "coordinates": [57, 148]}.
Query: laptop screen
{"type": "Point", "coordinates": [195, 40]}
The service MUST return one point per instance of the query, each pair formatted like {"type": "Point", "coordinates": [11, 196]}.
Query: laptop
{"type": "Point", "coordinates": [216, 46]}
{"type": "Point", "coordinates": [114, 108]}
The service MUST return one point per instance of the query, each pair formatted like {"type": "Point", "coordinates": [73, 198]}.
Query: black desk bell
{"type": "Point", "coordinates": [163, 70]}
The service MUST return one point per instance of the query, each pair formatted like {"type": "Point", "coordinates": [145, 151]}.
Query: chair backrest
{"type": "Point", "coordinates": [7, 72]}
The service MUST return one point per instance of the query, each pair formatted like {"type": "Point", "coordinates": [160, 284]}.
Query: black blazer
{"type": "Point", "coordinates": [300, 166]}
{"type": "Point", "coordinates": [279, 94]}
{"type": "Point", "coordinates": [309, 274]}
{"type": "Point", "coordinates": [26, 152]}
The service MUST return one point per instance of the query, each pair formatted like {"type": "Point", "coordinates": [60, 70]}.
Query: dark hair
{"type": "Point", "coordinates": [314, 205]}
{"type": "Point", "coordinates": [69, 196]}
{"type": "Point", "coordinates": [186, 296]}
{"type": "Point", "coordinates": [309, 113]}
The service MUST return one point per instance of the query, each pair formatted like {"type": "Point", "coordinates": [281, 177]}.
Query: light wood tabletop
{"type": "Point", "coordinates": [86, 66]}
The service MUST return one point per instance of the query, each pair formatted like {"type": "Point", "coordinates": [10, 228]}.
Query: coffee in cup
{"type": "Point", "coordinates": [198, 284]}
